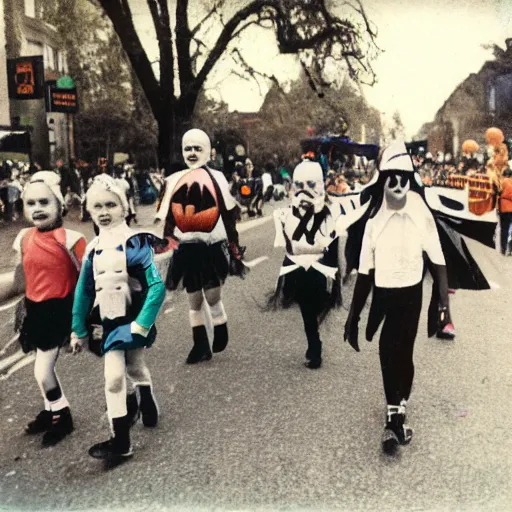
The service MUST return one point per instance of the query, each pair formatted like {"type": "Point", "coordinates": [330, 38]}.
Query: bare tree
{"type": "Point", "coordinates": [307, 28]}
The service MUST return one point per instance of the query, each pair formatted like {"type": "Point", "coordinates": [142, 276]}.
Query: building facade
{"type": "Point", "coordinates": [482, 100]}
{"type": "Point", "coordinates": [28, 35]}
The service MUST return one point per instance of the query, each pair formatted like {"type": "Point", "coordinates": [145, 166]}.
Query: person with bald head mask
{"type": "Point", "coordinates": [47, 272]}
{"type": "Point", "coordinates": [200, 220]}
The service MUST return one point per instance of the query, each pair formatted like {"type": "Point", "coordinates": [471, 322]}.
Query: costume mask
{"type": "Point", "coordinates": [396, 186]}
{"type": "Point", "coordinates": [42, 207]}
{"type": "Point", "coordinates": [308, 186]}
{"type": "Point", "coordinates": [196, 148]}
{"type": "Point", "coordinates": [106, 203]}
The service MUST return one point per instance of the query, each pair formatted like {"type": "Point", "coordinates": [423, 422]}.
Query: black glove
{"type": "Point", "coordinates": [361, 291]}
{"type": "Point", "coordinates": [351, 333]}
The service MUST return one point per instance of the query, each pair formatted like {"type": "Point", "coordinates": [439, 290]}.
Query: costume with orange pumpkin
{"type": "Point", "coordinates": [200, 220]}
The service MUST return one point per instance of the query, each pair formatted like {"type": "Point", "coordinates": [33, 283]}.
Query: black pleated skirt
{"type": "Point", "coordinates": [198, 265]}
{"type": "Point", "coordinates": [45, 325]}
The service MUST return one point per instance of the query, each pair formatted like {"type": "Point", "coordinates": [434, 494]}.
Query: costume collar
{"type": "Point", "coordinates": [117, 234]}
{"type": "Point", "coordinates": [415, 208]}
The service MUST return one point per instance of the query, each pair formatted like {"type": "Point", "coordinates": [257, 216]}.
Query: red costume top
{"type": "Point", "coordinates": [51, 264]}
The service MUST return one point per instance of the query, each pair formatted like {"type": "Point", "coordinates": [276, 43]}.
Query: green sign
{"type": "Point", "coordinates": [65, 82]}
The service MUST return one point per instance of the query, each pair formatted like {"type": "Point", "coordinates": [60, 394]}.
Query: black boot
{"type": "Point", "coordinates": [42, 423]}
{"type": "Point", "coordinates": [201, 349]}
{"type": "Point", "coordinates": [62, 425]}
{"type": "Point", "coordinates": [148, 407]}
{"type": "Point", "coordinates": [117, 447]}
{"type": "Point", "coordinates": [314, 355]}
{"type": "Point", "coordinates": [396, 432]}
{"type": "Point", "coordinates": [220, 337]}
{"type": "Point", "coordinates": [132, 406]}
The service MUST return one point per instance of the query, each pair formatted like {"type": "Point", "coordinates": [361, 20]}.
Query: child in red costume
{"type": "Point", "coordinates": [47, 274]}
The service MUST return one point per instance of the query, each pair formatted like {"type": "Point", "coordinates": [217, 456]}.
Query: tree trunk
{"type": "Point", "coordinates": [165, 132]}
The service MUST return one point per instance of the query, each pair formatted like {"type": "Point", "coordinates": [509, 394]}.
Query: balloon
{"type": "Point", "coordinates": [494, 136]}
{"type": "Point", "coordinates": [470, 146]}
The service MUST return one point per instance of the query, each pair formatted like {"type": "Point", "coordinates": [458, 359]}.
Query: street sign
{"type": "Point", "coordinates": [65, 82]}
{"type": "Point", "coordinates": [59, 99]}
{"type": "Point", "coordinates": [26, 78]}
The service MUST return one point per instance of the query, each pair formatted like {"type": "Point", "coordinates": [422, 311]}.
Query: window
{"type": "Point", "coordinates": [30, 8]}
{"type": "Point", "coordinates": [49, 59]}
{"type": "Point", "coordinates": [34, 48]}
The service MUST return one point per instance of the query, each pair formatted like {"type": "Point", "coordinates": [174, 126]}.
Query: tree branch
{"type": "Point", "coordinates": [183, 40]}
{"type": "Point", "coordinates": [160, 14]}
{"type": "Point", "coordinates": [227, 34]}
{"type": "Point", "coordinates": [214, 9]}
{"type": "Point", "coordinates": [122, 21]}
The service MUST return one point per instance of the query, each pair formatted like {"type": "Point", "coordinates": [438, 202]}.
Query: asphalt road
{"type": "Point", "coordinates": [253, 429]}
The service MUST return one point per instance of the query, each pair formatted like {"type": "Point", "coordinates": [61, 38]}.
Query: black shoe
{"type": "Point", "coordinates": [390, 442]}
{"type": "Point", "coordinates": [396, 432]}
{"type": "Point", "coordinates": [132, 406]}
{"type": "Point", "coordinates": [62, 425]}
{"type": "Point", "coordinates": [314, 363]}
{"type": "Point", "coordinates": [201, 349]}
{"type": "Point", "coordinates": [116, 447]}
{"type": "Point", "coordinates": [197, 355]}
{"type": "Point", "coordinates": [42, 423]}
{"type": "Point", "coordinates": [148, 407]}
{"type": "Point", "coordinates": [220, 337]}
{"type": "Point", "coordinates": [251, 213]}
{"type": "Point", "coordinates": [110, 450]}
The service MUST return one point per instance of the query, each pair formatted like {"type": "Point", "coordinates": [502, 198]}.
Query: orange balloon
{"type": "Point", "coordinates": [470, 146]}
{"type": "Point", "coordinates": [494, 136]}
{"type": "Point", "coordinates": [245, 190]}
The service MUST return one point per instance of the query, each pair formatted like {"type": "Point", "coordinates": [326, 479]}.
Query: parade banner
{"type": "Point", "coordinates": [26, 78]}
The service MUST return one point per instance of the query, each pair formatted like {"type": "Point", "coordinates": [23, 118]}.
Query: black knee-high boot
{"type": "Point", "coordinates": [118, 446]}
{"type": "Point", "coordinates": [148, 406]}
{"type": "Point", "coordinates": [314, 351]}
{"type": "Point", "coordinates": [201, 350]}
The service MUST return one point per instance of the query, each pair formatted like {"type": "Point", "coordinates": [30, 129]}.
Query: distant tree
{"type": "Point", "coordinates": [307, 28]}
{"type": "Point", "coordinates": [396, 130]}
{"type": "Point", "coordinates": [113, 115]}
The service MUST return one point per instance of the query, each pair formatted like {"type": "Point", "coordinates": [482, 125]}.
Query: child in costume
{"type": "Point", "coordinates": [50, 258]}
{"type": "Point", "coordinates": [399, 231]}
{"type": "Point", "coordinates": [120, 290]}
{"type": "Point", "coordinates": [310, 276]}
{"type": "Point", "coordinates": [200, 218]}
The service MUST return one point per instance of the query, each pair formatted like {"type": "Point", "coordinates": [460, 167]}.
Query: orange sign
{"type": "Point", "coordinates": [25, 83]}
{"type": "Point", "coordinates": [25, 78]}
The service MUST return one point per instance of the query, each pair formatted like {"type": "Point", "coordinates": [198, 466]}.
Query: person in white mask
{"type": "Point", "coordinates": [49, 262]}
{"type": "Point", "coordinates": [119, 294]}
{"type": "Point", "coordinates": [200, 220]}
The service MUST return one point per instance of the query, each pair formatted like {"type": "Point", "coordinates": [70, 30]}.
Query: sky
{"type": "Point", "coordinates": [429, 47]}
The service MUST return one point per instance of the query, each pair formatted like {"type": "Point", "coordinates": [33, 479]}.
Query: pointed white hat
{"type": "Point", "coordinates": [396, 158]}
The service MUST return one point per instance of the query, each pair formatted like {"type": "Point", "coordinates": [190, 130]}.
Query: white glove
{"type": "Point", "coordinates": [77, 343]}
{"type": "Point", "coordinates": [135, 328]}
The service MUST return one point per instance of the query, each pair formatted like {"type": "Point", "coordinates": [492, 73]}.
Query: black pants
{"type": "Point", "coordinates": [505, 221]}
{"type": "Point", "coordinates": [402, 313]}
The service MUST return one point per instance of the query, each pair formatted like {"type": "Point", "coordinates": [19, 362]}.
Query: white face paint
{"type": "Point", "coordinates": [105, 207]}
{"type": "Point", "coordinates": [196, 148]}
{"type": "Point", "coordinates": [308, 186]}
{"type": "Point", "coordinates": [396, 187]}
{"type": "Point", "coordinates": [41, 206]}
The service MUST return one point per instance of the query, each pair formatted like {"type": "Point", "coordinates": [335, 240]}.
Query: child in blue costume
{"type": "Point", "coordinates": [120, 290]}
